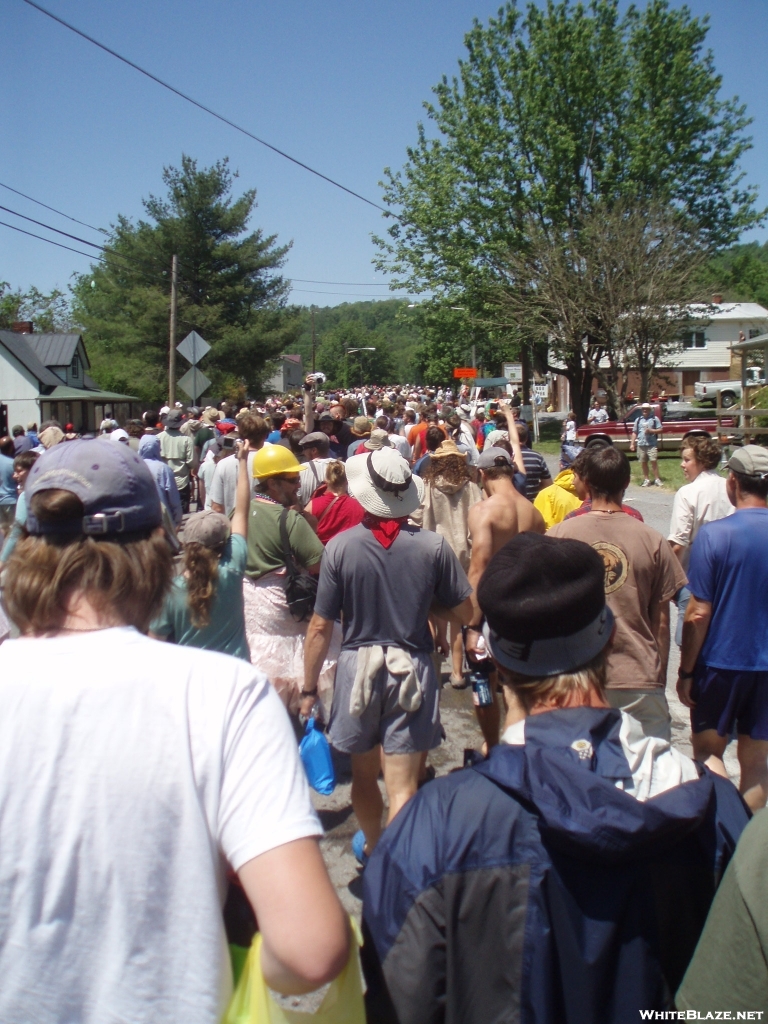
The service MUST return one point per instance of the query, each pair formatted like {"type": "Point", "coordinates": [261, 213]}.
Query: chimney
{"type": "Point", "coordinates": [22, 327]}
{"type": "Point", "coordinates": [717, 298]}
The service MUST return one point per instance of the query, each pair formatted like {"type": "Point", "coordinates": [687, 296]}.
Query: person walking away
{"type": "Point", "coordinates": [191, 766]}
{"type": "Point", "coordinates": [177, 451]}
{"type": "Point", "coordinates": [728, 972]}
{"type": "Point", "coordinates": [563, 496]}
{"type": "Point", "coordinates": [449, 495]}
{"type": "Point", "coordinates": [223, 490]}
{"type": "Point", "coordinates": [580, 486]}
{"type": "Point", "coordinates": [493, 522]}
{"type": "Point", "coordinates": [334, 508]}
{"type": "Point", "coordinates": [275, 639]}
{"type": "Point", "coordinates": [204, 607]}
{"type": "Point", "coordinates": [537, 474]}
{"type": "Point", "coordinates": [702, 500]}
{"type": "Point", "coordinates": [8, 493]}
{"type": "Point", "coordinates": [526, 887]}
{"type": "Point", "coordinates": [645, 439]}
{"type": "Point", "coordinates": [315, 447]}
{"type": "Point", "coordinates": [21, 442]}
{"type": "Point", "coordinates": [383, 577]}
{"type": "Point", "coordinates": [165, 481]}
{"type": "Point", "coordinates": [723, 675]}
{"type": "Point", "coordinates": [21, 467]}
{"type": "Point", "coordinates": [642, 575]}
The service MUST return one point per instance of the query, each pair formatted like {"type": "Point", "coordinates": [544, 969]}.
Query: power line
{"type": "Point", "coordinates": [201, 106]}
{"type": "Point", "coordinates": [84, 241]}
{"type": "Point", "coordinates": [50, 241]}
{"type": "Point", "coordinates": [351, 284]}
{"type": "Point", "coordinates": [53, 209]}
{"type": "Point", "coordinates": [349, 295]}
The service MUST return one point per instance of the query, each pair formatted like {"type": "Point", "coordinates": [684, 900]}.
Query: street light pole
{"type": "Point", "coordinates": [172, 348]}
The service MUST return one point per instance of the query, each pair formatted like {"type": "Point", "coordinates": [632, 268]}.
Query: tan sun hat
{"type": "Point", "coordinates": [208, 528]}
{"type": "Point", "coordinates": [446, 449]}
{"type": "Point", "coordinates": [379, 439]}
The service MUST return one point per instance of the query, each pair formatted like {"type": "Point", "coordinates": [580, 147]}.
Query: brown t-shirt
{"type": "Point", "coordinates": [640, 571]}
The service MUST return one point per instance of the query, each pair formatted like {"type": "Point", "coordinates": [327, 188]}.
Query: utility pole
{"type": "Point", "coordinates": [314, 343]}
{"type": "Point", "coordinates": [172, 347]}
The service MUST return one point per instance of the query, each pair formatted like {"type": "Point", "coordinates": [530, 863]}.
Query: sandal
{"type": "Point", "coordinates": [358, 847]}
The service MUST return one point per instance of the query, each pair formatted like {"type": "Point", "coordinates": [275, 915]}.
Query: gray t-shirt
{"type": "Point", "coordinates": [386, 593]}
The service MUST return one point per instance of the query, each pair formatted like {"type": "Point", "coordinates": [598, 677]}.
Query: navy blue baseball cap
{"type": "Point", "coordinates": [117, 490]}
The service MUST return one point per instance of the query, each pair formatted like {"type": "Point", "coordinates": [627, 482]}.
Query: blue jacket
{"type": "Point", "coordinates": [531, 889]}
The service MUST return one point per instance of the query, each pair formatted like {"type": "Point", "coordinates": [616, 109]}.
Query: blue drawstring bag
{"type": "Point", "coordinates": [316, 758]}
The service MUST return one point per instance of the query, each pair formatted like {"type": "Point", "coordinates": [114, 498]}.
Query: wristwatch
{"type": "Point", "coordinates": [307, 693]}
{"type": "Point", "coordinates": [684, 675]}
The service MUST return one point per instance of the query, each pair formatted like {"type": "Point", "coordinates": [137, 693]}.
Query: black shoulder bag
{"type": "Point", "coordinates": [300, 588]}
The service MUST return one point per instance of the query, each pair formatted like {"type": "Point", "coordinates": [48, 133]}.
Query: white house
{"type": "Point", "coordinates": [43, 377]}
{"type": "Point", "coordinates": [288, 376]}
{"type": "Point", "coordinates": [707, 349]}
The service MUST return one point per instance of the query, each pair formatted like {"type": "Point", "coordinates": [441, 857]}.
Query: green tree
{"type": "Point", "coordinates": [48, 313]}
{"type": "Point", "coordinates": [346, 369]}
{"type": "Point", "coordinates": [552, 111]}
{"type": "Point", "coordinates": [228, 289]}
{"type": "Point", "coordinates": [740, 274]}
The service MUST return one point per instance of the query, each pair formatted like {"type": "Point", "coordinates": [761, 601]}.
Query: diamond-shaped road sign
{"type": "Point", "coordinates": [193, 348]}
{"type": "Point", "coordinates": [194, 382]}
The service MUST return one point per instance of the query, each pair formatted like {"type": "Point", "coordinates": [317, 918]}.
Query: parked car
{"type": "Point", "coordinates": [729, 390]}
{"type": "Point", "coordinates": [678, 420]}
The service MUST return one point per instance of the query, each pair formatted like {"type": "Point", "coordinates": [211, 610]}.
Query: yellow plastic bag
{"type": "Point", "coordinates": [252, 1002]}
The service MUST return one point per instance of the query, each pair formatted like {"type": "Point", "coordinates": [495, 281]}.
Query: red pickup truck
{"type": "Point", "coordinates": [677, 421]}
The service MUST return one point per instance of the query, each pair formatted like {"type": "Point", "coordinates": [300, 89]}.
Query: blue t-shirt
{"type": "Point", "coordinates": [729, 568]}
{"type": "Point", "coordinates": [274, 436]}
{"type": "Point", "coordinates": [226, 630]}
{"type": "Point", "coordinates": [8, 493]}
{"type": "Point", "coordinates": [642, 425]}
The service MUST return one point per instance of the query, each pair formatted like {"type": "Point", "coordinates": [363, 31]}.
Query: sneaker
{"type": "Point", "coordinates": [658, 483]}
{"type": "Point", "coordinates": [358, 847]}
{"type": "Point", "coordinates": [646, 483]}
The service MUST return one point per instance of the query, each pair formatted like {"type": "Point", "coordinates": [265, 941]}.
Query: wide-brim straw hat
{"type": "Point", "coordinates": [446, 449]}
{"type": "Point", "coordinates": [383, 483]}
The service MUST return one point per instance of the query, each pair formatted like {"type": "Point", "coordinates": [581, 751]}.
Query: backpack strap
{"type": "Point", "coordinates": [327, 509]}
{"type": "Point", "coordinates": [290, 564]}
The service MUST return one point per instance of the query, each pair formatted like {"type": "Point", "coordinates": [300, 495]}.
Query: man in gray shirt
{"type": "Point", "coordinates": [385, 576]}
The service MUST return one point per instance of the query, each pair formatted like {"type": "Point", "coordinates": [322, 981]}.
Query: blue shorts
{"type": "Point", "coordinates": [724, 697]}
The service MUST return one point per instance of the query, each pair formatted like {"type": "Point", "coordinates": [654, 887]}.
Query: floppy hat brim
{"type": "Point", "coordinates": [380, 503]}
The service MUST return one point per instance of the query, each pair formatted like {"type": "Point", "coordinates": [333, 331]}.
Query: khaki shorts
{"type": "Point", "coordinates": [644, 453]}
{"type": "Point", "coordinates": [648, 707]}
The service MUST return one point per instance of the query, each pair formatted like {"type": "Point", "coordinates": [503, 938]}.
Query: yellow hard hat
{"type": "Point", "coordinates": [273, 459]}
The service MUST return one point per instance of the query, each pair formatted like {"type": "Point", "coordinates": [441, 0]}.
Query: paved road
{"type": "Point", "coordinates": [340, 824]}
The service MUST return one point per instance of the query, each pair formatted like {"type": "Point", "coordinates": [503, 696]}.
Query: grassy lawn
{"type": "Point", "coordinates": [669, 465]}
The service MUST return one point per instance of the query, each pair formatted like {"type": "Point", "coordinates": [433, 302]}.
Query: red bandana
{"type": "Point", "coordinates": [384, 530]}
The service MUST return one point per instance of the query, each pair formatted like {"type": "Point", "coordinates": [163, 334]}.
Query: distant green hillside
{"type": "Point", "coordinates": [361, 325]}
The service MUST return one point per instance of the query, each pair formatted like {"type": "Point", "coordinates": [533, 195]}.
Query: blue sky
{"type": "Point", "coordinates": [337, 84]}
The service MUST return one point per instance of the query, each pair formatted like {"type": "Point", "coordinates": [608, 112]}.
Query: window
{"type": "Point", "coordinates": [694, 339]}
{"type": "Point", "coordinates": [75, 368]}
{"type": "Point", "coordinates": [754, 332]}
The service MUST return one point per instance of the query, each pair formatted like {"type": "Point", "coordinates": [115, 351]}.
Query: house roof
{"type": "Point", "coordinates": [292, 359]}
{"type": "Point", "coordinates": [53, 349]}
{"type": "Point", "coordinates": [761, 341]}
{"type": "Point", "coordinates": [731, 311]}
{"type": "Point", "coordinates": [18, 347]}
{"type": "Point", "coordinates": [64, 394]}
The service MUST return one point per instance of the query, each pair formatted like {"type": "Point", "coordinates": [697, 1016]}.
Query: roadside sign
{"type": "Point", "coordinates": [193, 348]}
{"type": "Point", "coordinates": [194, 382]}
{"type": "Point", "coordinates": [513, 372]}
{"type": "Point", "coordinates": [466, 372]}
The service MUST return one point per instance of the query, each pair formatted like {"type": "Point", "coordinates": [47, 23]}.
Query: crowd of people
{"type": "Point", "coordinates": [183, 591]}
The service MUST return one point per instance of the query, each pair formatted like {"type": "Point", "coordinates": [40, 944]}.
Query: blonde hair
{"type": "Point", "coordinates": [560, 690]}
{"type": "Point", "coordinates": [335, 474]}
{"type": "Point", "coordinates": [127, 576]}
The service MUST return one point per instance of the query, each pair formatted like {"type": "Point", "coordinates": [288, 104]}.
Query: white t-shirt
{"type": "Point", "coordinates": [131, 772]}
{"type": "Point", "coordinates": [655, 765]}
{"type": "Point", "coordinates": [695, 504]}
{"type": "Point", "coordinates": [223, 489]}
{"type": "Point", "coordinates": [206, 473]}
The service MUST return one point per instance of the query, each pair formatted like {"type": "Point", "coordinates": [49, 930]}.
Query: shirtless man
{"type": "Point", "coordinates": [503, 514]}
